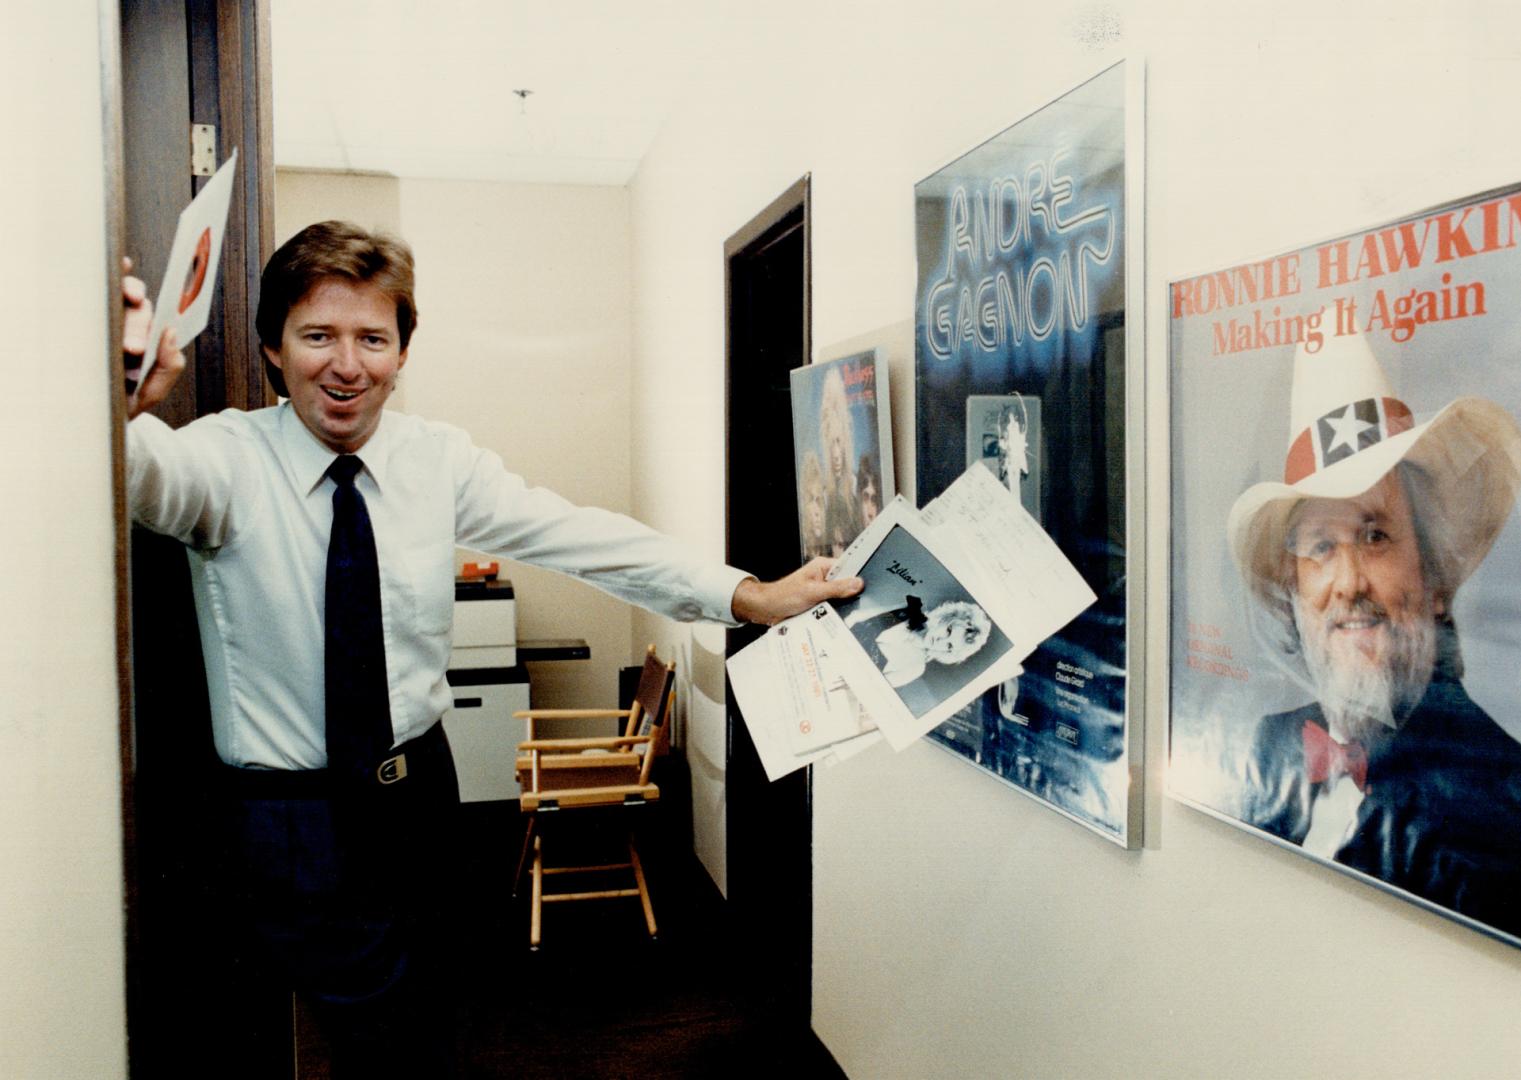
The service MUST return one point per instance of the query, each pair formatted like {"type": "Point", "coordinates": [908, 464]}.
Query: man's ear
{"type": "Point", "coordinates": [401, 360]}
{"type": "Point", "coordinates": [272, 356]}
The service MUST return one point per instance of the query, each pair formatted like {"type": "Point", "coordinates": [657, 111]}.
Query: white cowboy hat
{"type": "Point", "coordinates": [1347, 430]}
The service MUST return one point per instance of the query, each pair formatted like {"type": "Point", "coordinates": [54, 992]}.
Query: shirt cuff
{"type": "Point", "coordinates": [716, 585]}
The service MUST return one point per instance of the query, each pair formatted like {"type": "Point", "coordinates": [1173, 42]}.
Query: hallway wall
{"type": "Point", "coordinates": [61, 1001]}
{"type": "Point", "coordinates": [962, 930]}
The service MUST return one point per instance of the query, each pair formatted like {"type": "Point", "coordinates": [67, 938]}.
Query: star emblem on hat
{"type": "Point", "coordinates": [1347, 427]}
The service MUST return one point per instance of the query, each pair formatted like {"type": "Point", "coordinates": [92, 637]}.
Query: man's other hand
{"type": "Point", "coordinates": [769, 602]}
{"type": "Point", "coordinates": [137, 319]}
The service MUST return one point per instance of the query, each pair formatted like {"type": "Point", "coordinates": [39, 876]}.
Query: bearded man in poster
{"type": "Point", "coordinates": [1392, 769]}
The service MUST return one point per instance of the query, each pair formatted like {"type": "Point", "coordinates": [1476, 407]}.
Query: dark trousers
{"type": "Point", "coordinates": [342, 898]}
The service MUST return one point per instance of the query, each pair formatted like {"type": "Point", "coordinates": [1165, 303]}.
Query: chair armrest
{"type": "Point", "coordinates": [571, 714]}
{"type": "Point", "coordinates": [577, 745]}
{"type": "Point", "coordinates": [592, 759]}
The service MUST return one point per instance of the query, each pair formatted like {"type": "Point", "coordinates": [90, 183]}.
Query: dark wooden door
{"type": "Point", "coordinates": [769, 841]}
{"type": "Point", "coordinates": [188, 62]}
{"type": "Point", "coordinates": [185, 62]}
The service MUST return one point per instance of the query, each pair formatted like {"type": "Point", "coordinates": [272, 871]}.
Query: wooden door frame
{"type": "Point", "coordinates": [109, 18]}
{"type": "Point", "coordinates": [796, 197]}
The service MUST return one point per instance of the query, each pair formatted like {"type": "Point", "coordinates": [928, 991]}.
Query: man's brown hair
{"type": "Point", "coordinates": [331, 249]}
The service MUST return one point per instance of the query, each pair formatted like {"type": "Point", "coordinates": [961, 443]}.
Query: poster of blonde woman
{"type": "Point", "coordinates": [842, 446]}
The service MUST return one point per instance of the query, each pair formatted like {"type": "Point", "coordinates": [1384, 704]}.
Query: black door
{"type": "Point", "coordinates": [769, 824]}
{"type": "Point", "coordinates": [185, 62]}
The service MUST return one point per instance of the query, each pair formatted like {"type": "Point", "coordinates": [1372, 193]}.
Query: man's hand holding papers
{"type": "Point", "coordinates": [955, 597]}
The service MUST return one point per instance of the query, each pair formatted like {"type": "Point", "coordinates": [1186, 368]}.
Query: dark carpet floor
{"type": "Point", "coordinates": [599, 998]}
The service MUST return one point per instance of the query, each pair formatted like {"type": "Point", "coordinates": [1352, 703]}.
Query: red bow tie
{"type": "Point", "coordinates": [1325, 758]}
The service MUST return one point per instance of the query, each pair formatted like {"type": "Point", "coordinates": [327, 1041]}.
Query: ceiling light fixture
{"type": "Point", "coordinates": [522, 101]}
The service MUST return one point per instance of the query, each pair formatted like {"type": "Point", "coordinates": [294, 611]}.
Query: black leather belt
{"type": "Point", "coordinates": [414, 757]}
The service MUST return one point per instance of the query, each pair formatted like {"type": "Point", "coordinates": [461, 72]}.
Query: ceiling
{"type": "Point", "coordinates": [427, 89]}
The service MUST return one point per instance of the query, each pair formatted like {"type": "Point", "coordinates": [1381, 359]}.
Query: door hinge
{"type": "Point", "coordinates": [203, 149]}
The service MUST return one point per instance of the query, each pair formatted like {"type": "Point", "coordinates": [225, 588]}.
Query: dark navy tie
{"type": "Point", "coordinates": [358, 708]}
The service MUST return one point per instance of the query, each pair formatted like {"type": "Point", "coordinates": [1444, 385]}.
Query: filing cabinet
{"type": "Point", "coordinates": [482, 732]}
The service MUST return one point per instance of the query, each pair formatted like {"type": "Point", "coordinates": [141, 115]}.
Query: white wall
{"type": "Point", "coordinates": [61, 944]}
{"type": "Point", "coordinates": [522, 340]}
{"type": "Point", "coordinates": [304, 196]}
{"type": "Point", "coordinates": [960, 929]}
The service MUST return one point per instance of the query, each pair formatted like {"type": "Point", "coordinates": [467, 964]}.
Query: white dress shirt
{"type": "Point", "coordinates": [249, 494]}
{"type": "Point", "coordinates": [1333, 817]}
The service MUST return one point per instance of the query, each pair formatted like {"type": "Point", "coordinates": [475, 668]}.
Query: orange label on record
{"type": "Point", "coordinates": [196, 276]}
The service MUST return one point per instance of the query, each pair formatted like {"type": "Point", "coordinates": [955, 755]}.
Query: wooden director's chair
{"type": "Point", "coordinates": [569, 775]}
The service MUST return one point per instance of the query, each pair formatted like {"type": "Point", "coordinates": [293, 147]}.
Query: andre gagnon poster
{"type": "Point", "coordinates": [1020, 343]}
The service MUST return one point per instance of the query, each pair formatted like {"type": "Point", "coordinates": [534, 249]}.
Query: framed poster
{"type": "Point", "coordinates": [1346, 561]}
{"type": "Point", "coordinates": [842, 450]}
{"type": "Point", "coordinates": [1027, 359]}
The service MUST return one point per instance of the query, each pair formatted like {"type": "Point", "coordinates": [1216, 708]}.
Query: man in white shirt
{"type": "Point", "coordinates": [336, 880]}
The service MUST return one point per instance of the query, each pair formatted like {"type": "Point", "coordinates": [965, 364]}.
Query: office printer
{"type": "Point", "coordinates": [485, 624]}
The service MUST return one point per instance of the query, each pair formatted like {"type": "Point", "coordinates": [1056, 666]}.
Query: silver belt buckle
{"type": "Point", "coordinates": [392, 769]}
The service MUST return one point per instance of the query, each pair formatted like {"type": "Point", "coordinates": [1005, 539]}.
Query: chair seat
{"type": "Point", "coordinates": [599, 759]}
{"type": "Point", "coordinates": [560, 779]}
{"type": "Point", "coordinates": [598, 795]}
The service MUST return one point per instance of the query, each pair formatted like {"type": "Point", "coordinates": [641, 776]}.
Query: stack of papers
{"type": "Point", "coordinates": [957, 595]}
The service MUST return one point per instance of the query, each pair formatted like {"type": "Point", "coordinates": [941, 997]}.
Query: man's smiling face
{"type": "Point", "coordinates": [340, 353]}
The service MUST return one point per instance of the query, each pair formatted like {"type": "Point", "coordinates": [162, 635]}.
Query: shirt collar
{"type": "Point", "coordinates": [310, 459]}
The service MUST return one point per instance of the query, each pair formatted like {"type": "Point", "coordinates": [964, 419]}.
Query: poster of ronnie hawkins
{"type": "Point", "coordinates": [1346, 559]}
{"type": "Point", "coordinates": [1020, 352]}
